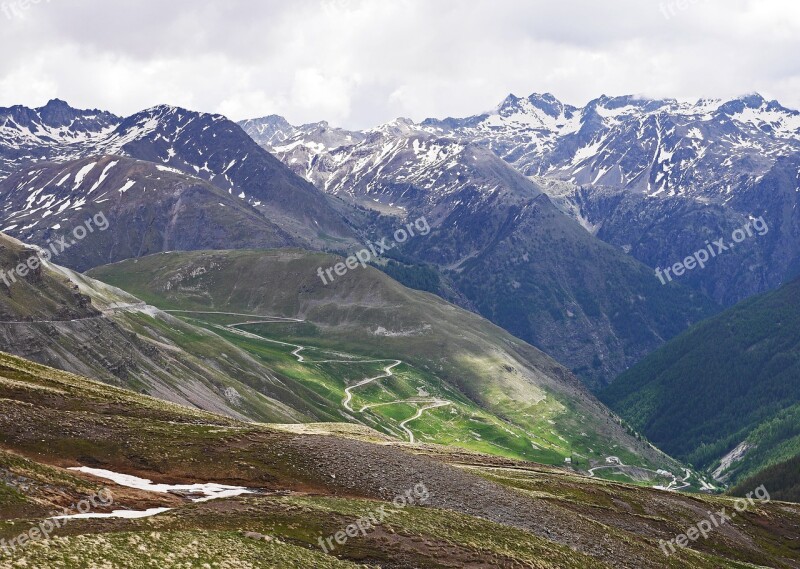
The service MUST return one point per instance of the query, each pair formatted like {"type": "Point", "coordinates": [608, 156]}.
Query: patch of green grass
{"type": "Point", "coordinates": [463, 424]}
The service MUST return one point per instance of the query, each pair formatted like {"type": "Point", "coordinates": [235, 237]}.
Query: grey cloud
{"type": "Point", "coordinates": [361, 62]}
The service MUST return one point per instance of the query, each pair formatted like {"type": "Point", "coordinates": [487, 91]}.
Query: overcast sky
{"type": "Point", "coordinates": [359, 63]}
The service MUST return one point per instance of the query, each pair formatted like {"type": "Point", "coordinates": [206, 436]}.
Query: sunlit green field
{"type": "Point", "coordinates": [387, 402]}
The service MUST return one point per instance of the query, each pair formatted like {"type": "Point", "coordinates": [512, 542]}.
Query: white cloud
{"type": "Point", "coordinates": [362, 62]}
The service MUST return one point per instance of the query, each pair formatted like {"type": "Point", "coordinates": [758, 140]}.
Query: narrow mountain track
{"type": "Point", "coordinates": [420, 411]}
{"type": "Point", "coordinates": [82, 319]}
{"type": "Point", "coordinates": [428, 404]}
{"type": "Point", "coordinates": [675, 485]}
{"type": "Point", "coordinates": [349, 391]}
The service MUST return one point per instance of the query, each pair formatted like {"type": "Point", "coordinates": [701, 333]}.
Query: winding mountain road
{"type": "Point", "coordinates": [615, 462]}
{"type": "Point", "coordinates": [420, 411]}
{"type": "Point", "coordinates": [428, 404]}
{"type": "Point", "coordinates": [349, 391]}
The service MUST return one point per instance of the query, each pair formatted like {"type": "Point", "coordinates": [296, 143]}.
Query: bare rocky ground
{"type": "Point", "coordinates": [483, 511]}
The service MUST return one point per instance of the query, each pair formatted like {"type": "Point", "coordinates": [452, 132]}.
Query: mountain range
{"type": "Point", "coordinates": [654, 178]}
{"type": "Point", "coordinates": [500, 239]}
{"type": "Point", "coordinates": [520, 201]}
{"type": "Point", "coordinates": [206, 146]}
{"type": "Point", "coordinates": [195, 299]}
{"type": "Point", "coordinates": [505, 190]}
{"type": "Point", "coordinates": [636, 170]}
{"type": "Point", "coordinates": [584, 298]}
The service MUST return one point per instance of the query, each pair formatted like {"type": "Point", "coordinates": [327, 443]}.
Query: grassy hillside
{"type": "Point", "coordinates": [493, 393]}
{"type": "Point", "coordinates": [60, 318]}
{"type": "Point", "coordinates": [731, 382]}
{"type": "Point", "coordinates": [482, 511]}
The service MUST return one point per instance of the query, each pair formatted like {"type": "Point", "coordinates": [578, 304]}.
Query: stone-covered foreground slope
{"type": "Point", "coordinates": [482, 511]}
{"type": "Point", "coordinates": [493, 392]}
